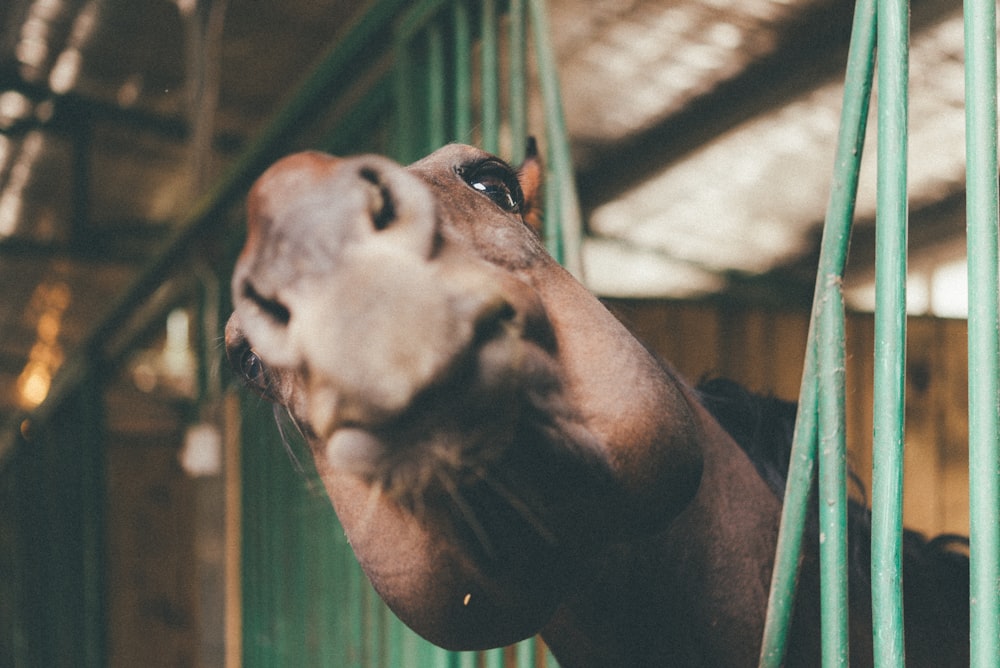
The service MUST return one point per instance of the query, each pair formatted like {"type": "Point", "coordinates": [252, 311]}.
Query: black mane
{"type": "Point", "coordinates": [762, 426]}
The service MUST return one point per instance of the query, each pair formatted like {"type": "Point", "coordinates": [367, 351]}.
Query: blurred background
{"type": "Point", "coordinates": [701, 137]}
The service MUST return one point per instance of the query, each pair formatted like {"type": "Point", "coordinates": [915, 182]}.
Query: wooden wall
{"type": "Point", "coordinates": [764, 350]}
{"type": "Point", "coordinates": [152, 579]}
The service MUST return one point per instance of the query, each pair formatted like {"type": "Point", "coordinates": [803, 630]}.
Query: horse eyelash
{"type": "Point", "coordinates": [279, 413]}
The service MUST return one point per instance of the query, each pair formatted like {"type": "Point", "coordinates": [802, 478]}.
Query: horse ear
{"type": "Point", "coordinates": [529, 175]}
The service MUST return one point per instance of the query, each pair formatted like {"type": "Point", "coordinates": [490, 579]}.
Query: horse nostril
{"type": "Point", "coordinates": [381, 205]}
{"type": "Point", "coordinates": [270, 307]}
{"type": "Point", "coordinates": [493, 318]}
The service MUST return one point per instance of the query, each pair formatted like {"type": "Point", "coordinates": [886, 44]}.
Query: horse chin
{"type": "Point", "coordinates": [355, 451]}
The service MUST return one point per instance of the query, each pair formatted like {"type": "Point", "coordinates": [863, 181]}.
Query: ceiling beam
{"type": "Point", "coordinates": [129, 243]}
{"type": "Point", "coordinates": [69, 111]}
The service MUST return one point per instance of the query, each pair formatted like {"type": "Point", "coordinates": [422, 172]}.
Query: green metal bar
{"type": "Point", "coordinates": [833, 256]}
{"type": "Point", "coordinates": [490, 77]}
{"type": "Point", "coordinates": [417, 15]}
{"type": "Point", "coordinates": [494, 658]}
{"type": "Point", "coordinates": [464, 660]}
{"type": "Point", "coordinates": [833, 476]}
{"type": "Point", "coordinates": [525, 653]}
{"type": "Point", "coordinates": [463, 71]}
{"type": "Point", "coordinates": [405, 149]}
{"type": "Point", "coordinates": [890, 334]}
{"type": "Point", "coordinates": [801, 474]}
{"type": "Point", "coordinates": [411, 142]}
{"type": "Point", "coordinates": [437, 80]}
{"type": "Point", "coordinates": [517, 108]}
{"type": "Point", "coordinates": [562, 217]}
{"type": "Point", "coordinates": [984, 325]}
{"type": "Point", "coordinates": [360, 119]}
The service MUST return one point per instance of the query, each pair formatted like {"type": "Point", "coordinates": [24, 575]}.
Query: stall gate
{"type": "Point", "coordinates": [882, 26]}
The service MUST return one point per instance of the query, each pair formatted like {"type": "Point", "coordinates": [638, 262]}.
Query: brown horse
{"type": "Point", "coordinates": [504, 456]}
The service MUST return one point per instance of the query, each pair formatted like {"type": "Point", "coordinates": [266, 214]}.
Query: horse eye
{"type": "Point", "coordinates": [496, 181]}
{"type": "Point", "coordinates": [251, 367]}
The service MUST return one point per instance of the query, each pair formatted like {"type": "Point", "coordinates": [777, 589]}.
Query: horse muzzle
{"type": "Point", "coordinates": [346, 282]}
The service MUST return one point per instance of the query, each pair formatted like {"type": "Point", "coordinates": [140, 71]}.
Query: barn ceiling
{"type": "Point", "coordinates": [702, 132]}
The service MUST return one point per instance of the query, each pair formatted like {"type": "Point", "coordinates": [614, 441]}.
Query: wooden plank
{"type": "Point", "coordinates": [920, 460]}
{"type": "Point", "coordinates": [696, 328]}
{"type": "Point", "coordinates": [953, 425]}
{"type": "Point", "coordinates": [234, 538]}
{"type": "Point", "coordinates": [859, 399]}
{"type": "Point", "coordinates": [152, 598]}
{"type": "Point", "coordinates": [790, 331]}
{"type": "Point", "coordinates": [746, 347]}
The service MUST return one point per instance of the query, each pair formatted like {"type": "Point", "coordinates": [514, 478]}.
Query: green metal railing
{"type": "Point", "coordinates": [984, 331]}
{"type": "Point", "coordinates": [821, 409]}
{"type": "Point", "coordinates": [451, 85]}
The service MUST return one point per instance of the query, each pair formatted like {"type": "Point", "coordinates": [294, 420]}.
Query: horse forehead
{"type": "Point", "coordinates": [470, 218]}
{"type": "Point", "coordinates": [442, 171]}
{"type": "Point", "coordinates": [447, 158]}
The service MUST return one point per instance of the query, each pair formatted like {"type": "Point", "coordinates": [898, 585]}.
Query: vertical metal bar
{"type": "Point", "coordinates": [833, 475]}
{"type": "Point", "coordinates": [463, 660]}
{"type": "Point", "coordinates": [402, 75]}
{"type": "Point", "coordinates": [801, 473]}
{"type": "Point", "coordinates": [517, 108]}
{"type": "Point", "coordinates": [490, 77]}
{"type": "Point", "coordinates": [833, 255]}
{"type": "Point", "coordinates": [526, 654]}
{"type": "Point", "coordinates": [562, 215]}
{"type": "Point", "coordinates": [436, 83]}
{"type": "Point", "coordinates": [984, 325]}
{"type": "Point", "coordinates": [463, 71]}
{"type": "Point", "coordinates": [493, 658]}
{"type": "Point", "coordinates": [890, 334]}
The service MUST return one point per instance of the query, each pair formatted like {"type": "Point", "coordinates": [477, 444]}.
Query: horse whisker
{"type": "Point", "coordinates": [284, 436]}
{"type": "Point", "coordinates": [467, 513]}
{"type": "Point", "coordinates": [518, 504]}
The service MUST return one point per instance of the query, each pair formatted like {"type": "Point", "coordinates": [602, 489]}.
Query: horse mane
{"type": "Point", "coordinates": [762, 425]}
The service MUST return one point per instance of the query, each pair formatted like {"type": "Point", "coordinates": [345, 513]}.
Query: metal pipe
{"type": "Point", "coordinates": [890, 334]}
{"type": "Point", "coordinates": [984, 325]}
{"type": "Point", "coordinates": [517, 112]}
{"type": "Point", "coordinates": [833, 476]}
{"type": "Point", "coordinates": [562, 210]}
{"type": "Point", "coordinates": [437, 81]}
{"type": "Point", "coordinates": [490, 77]}
{"type": "Point", "coordinates": [463, 72]}
{"type": "Point", "coordinates": [833, 256]}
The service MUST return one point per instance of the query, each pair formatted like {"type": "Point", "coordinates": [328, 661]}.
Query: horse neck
{"type": "Point", "coordinates": [635, 408]}
{"type": "Point", "coordinates": [692, 593]}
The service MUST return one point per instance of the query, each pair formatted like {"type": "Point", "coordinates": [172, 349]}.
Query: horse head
{"type": "Point", "coordinates": [480, 421]}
